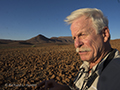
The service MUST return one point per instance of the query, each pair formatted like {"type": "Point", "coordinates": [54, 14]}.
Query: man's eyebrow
{"type": "Point", "coordinates": [79, 33]}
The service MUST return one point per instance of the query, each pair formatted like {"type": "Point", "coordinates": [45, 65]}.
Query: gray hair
{"type": "Point", "coordinates": [96, 15]}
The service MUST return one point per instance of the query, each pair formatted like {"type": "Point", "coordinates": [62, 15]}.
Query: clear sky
{"type": "Point", "coordinates": [24, 19]}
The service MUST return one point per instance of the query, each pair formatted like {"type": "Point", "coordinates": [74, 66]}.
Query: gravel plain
{"type": "Point", "coordinates": [23, 68]}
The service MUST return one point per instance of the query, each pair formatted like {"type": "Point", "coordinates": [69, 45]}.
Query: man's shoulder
{"type": "Point", "coordinates": [114, 64]}
{"type": "Point", "coordinates": [113, 60]}
{"type": "Point", "coordinates": [116, 59]}
{"type": "Point", "coordinates": [110, 77]}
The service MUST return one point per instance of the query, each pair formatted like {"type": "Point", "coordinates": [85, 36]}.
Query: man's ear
{"type": "Point", "coordinates": [106, 34]}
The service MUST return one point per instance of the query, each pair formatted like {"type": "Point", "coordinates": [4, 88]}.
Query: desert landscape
{"type": "Point", "coordinates": [23, 64]}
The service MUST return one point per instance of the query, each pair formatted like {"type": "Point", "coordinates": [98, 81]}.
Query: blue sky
{"type": "Point", "coordinates": [24, 19]}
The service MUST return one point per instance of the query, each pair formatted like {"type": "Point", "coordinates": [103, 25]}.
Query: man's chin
{"type": "Point", "coordinates": [85, 59]}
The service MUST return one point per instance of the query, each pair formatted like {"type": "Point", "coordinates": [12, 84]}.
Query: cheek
{"type": "Point", "coordinates": [96, 46]}
{"type": "Point", "coordinates": [88, 43]}
{"type": "Point", "coordinates": [92, 44]}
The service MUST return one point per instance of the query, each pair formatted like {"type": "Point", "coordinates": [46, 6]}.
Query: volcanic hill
{"type": "Point", "coordinates": [38, 40]}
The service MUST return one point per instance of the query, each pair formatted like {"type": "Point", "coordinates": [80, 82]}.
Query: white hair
{"type": "Point", "coordinates": [96, 15]}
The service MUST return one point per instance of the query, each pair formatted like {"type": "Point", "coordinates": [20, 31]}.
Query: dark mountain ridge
{"type": "Point", "coordinates": [40, 39]}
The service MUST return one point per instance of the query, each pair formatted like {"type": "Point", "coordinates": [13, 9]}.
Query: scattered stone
{"type": "Point", "coordinates": [53, 76]}
{"type": "Point", "coordinates": [34, 65]}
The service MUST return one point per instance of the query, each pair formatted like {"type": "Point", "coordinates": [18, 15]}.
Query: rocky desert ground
{"type": "Point", "coordinates": [23, 68]}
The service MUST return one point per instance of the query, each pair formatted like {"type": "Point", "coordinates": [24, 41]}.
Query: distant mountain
{"type": "Point", "coordinates": [39, 39]}
{"type": "Point", "coordinates": [3, 41]}
{"type": "Point", "coordinates": [63, 39]}
{"type": "Point", "coordinates": [14, 42]}
{"type": "Point", "coordinates": [42, 39]}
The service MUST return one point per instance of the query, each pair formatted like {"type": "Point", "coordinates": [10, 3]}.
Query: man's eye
{"type": "Point", "coordinates": [83, 34]}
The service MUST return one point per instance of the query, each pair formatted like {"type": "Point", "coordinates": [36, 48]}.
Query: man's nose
{"type": "Point", "coordinates": [78, 43]}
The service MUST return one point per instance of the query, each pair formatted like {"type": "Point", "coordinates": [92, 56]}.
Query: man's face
{"type": "Point", "coordinates": [89, 44]}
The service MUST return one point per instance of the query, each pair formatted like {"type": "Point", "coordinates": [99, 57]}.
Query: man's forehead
{"type": "Point", "coordinates": [81, 27]}
{"type": "Point", "coordinates": [81, 22]}
{"type": "Point", "coordinates": [82, 31]}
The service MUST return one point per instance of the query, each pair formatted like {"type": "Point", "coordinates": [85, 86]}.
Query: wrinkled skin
{"type": "Point", "coordinates": [91, 45]}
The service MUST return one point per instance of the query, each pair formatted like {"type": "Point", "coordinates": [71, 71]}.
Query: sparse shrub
{"type": "Point", "coordinates": [33, 46]}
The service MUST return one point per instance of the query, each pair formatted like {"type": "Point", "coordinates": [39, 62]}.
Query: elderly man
{"type": "Point", "coordinates": [101, 64]}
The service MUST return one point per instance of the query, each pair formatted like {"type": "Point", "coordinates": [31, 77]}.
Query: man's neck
{"type": "Point", "coordinates": [92, 64]}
